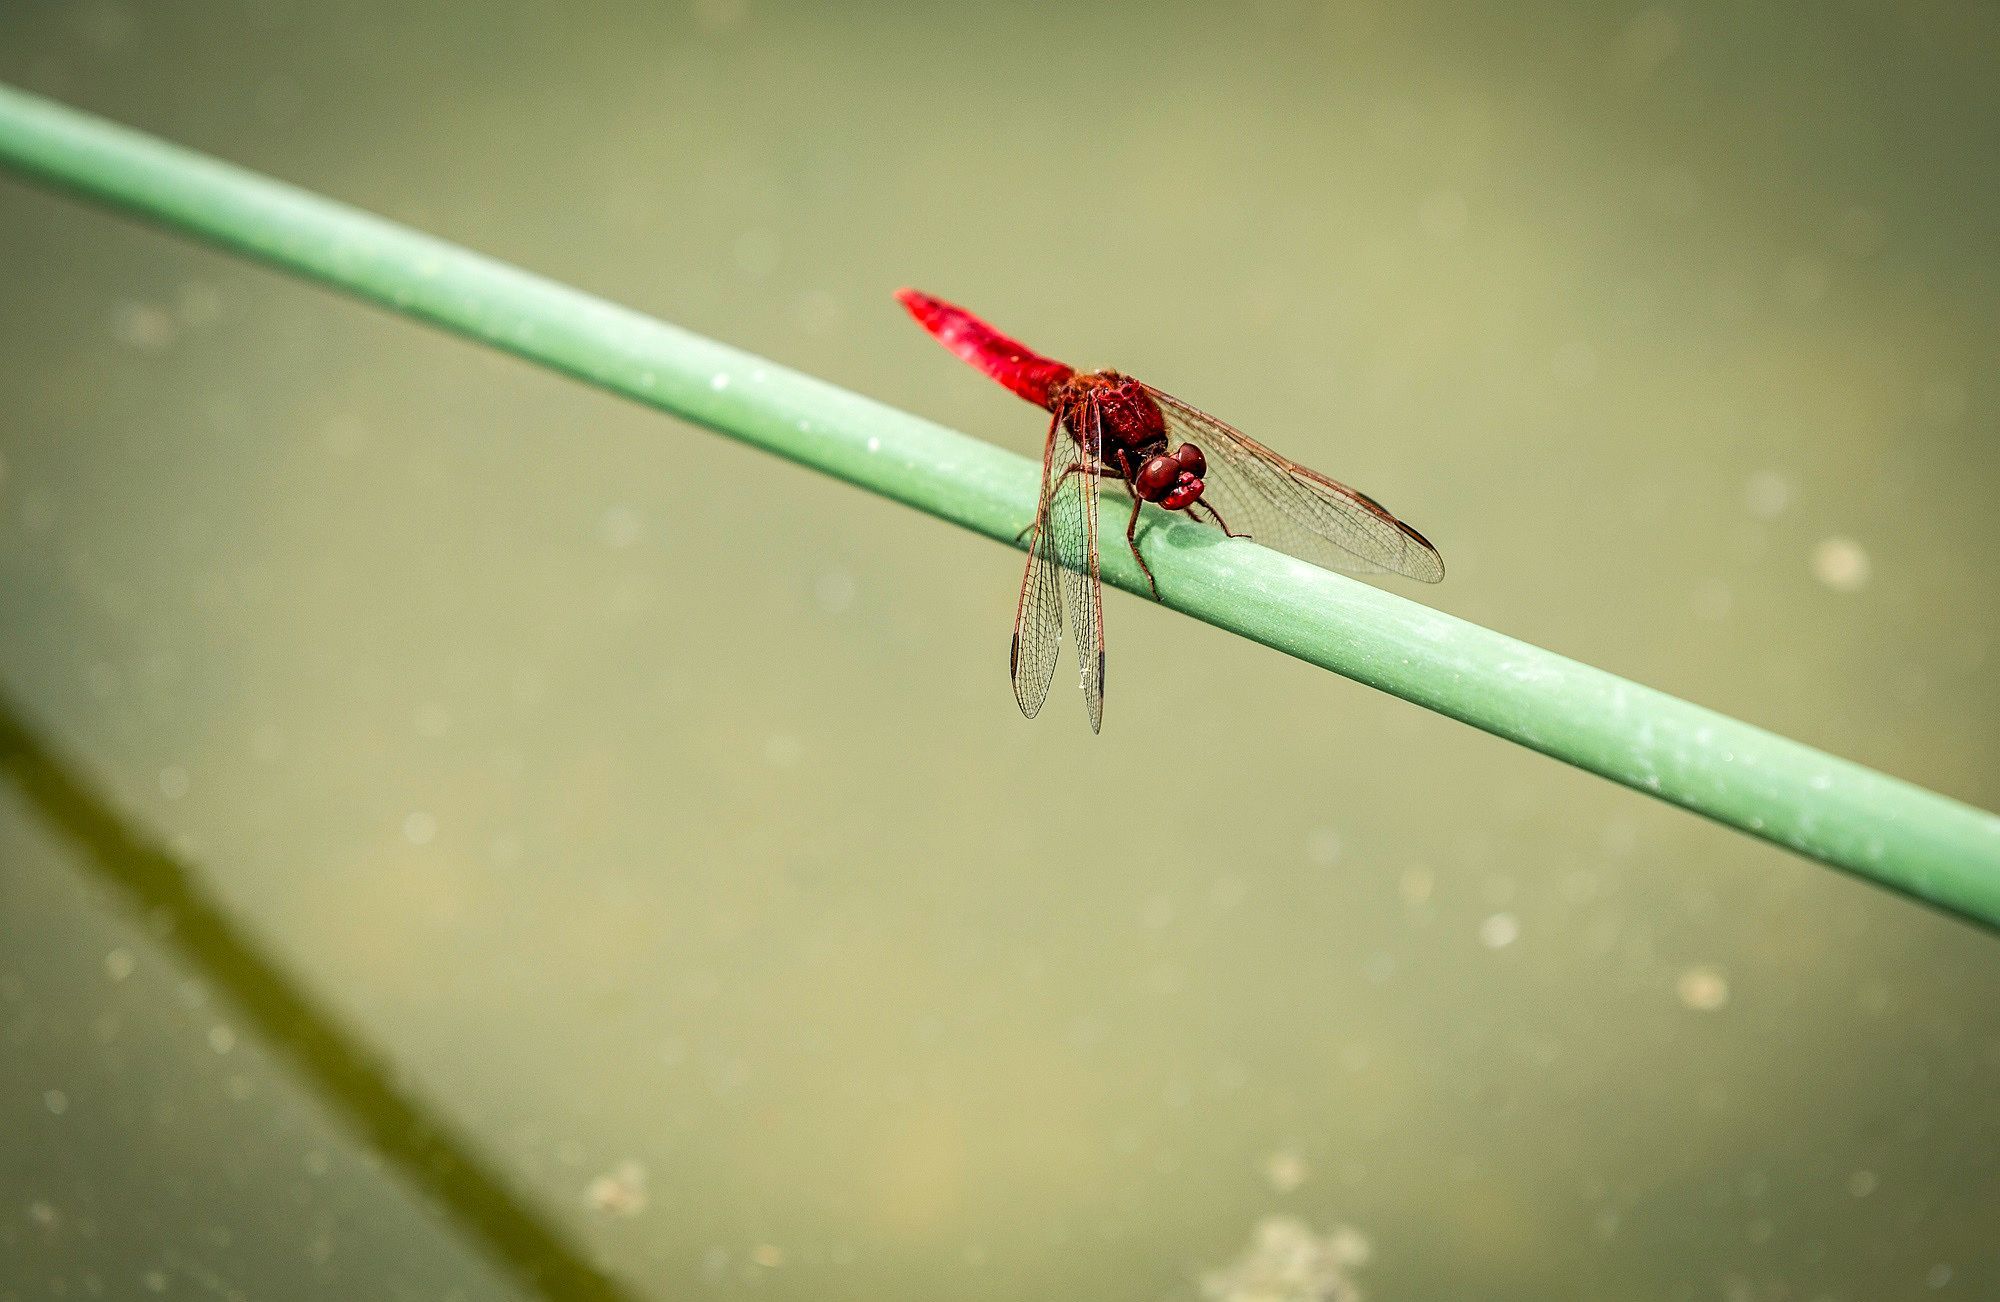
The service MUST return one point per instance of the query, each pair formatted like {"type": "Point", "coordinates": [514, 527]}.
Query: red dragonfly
{"type": "Point", "coordinates": [1127, 429]}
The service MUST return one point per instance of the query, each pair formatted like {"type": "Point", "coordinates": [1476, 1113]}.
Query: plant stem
{"type": "Point", "coordinates": [1890, 832]}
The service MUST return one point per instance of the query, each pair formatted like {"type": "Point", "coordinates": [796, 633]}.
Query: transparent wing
{"type": "Point", "coordinates": [1073, 513]}
{"type": "Point", "coordinates": [1281, 504]}
{"type": "Point", "coordinates": [1038, 619]}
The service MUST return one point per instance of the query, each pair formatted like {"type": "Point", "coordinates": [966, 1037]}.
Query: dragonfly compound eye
{"type": "Point", "coordinates": [1157, 477]}
{"type": "Point", "coordinates": [1191, 460]}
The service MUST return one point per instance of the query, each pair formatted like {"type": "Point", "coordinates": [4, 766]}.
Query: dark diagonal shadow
{"type": "Point", "coordinates": [349, 1075]}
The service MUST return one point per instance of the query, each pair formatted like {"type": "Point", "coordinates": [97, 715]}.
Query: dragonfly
{"type": "Point", "coordinates": [1106, 425]}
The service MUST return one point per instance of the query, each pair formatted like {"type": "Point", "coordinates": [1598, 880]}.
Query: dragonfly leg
{"type": "Point", "coordinates": [1227, 532]}
{"type": "Point", "coordinates": [1078, 469]}
{"type": "Point", "coordinates": [1132, 541]}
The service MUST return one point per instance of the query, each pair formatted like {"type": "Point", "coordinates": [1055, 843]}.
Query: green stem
{"type": "Point", "coordinates": [1897, 835]}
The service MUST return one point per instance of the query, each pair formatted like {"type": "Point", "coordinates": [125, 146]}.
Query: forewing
{"type": "Point", "coordinates": [1038, 619]}
{"type": "Point", "coordinates": [1073, 517]}
{"type": "Point", "coordinates": [1281, 504]}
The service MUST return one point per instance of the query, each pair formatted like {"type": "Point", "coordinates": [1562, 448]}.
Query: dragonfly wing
{"type": "Point", "coordinates": [1073, 521]}
{"type": "Point", "coordinates": [1038, 619]}
{"type": "Point", "coordinates": [1281, 504]}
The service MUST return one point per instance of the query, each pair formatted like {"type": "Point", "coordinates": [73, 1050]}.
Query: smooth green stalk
{"type": "Point", "coordinates": [1887, 831]}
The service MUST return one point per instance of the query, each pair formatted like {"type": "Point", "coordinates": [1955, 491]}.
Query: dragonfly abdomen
{"type": "Point", "coordinates": [1023, 370]}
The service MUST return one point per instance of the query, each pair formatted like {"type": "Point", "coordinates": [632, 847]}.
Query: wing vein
{"type": "Point", "coordinates": [1284, 505]}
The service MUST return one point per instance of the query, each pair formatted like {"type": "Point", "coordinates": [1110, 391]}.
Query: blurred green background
{"type": "Point", "coordinates": [468, 837]}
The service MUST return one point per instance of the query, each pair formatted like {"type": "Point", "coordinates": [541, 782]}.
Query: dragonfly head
{"type": "Point", "coordinates": [1173, 481]}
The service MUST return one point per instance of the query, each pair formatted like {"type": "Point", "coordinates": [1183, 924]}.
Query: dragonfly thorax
{"type": "Point", "coordinates": [1125, 414]}
{"type": "Point", "coordinates": [1131, 435]}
